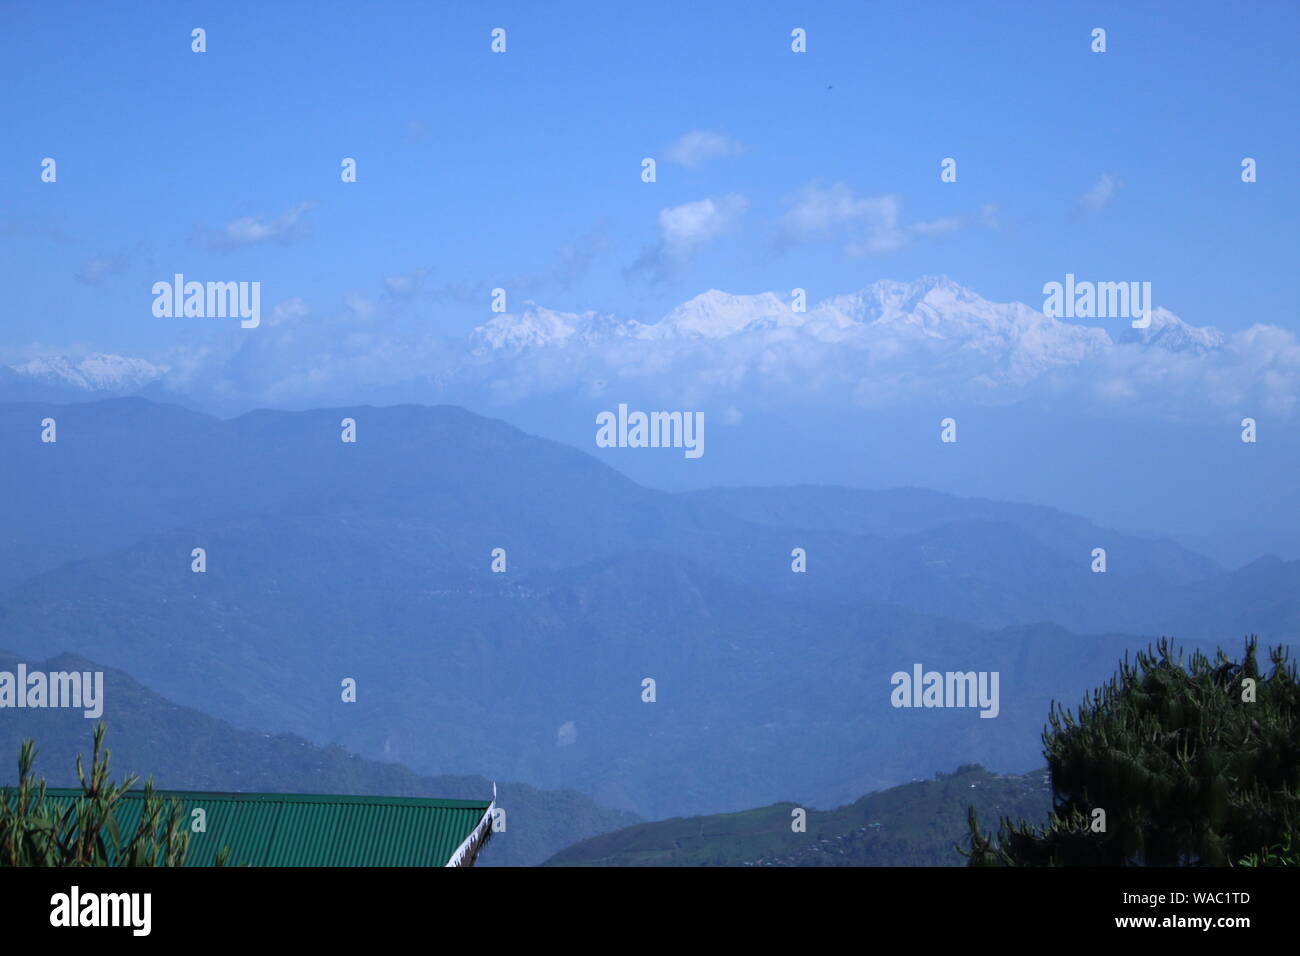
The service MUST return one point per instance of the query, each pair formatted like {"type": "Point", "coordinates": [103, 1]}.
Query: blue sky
{"type": "Point", "coordinates": [523, 170]}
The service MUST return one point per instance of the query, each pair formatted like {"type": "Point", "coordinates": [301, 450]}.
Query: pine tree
{"type": "Point", "coordinates": [1191, 764]}
{"type": "Point", "coordinates": [33, 832]}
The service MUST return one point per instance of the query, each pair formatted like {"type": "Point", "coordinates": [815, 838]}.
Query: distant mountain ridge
{"type": "Point", "coordinates": [1084, 414]}
{"type": "Point", "coordinates": [182, 749]}
{"type": "Point", "coordinates": [125, 469]}
{"type": "Point", "coordinates": [372, 561]}
{"type": "Point", "coordinates": [922, 823]}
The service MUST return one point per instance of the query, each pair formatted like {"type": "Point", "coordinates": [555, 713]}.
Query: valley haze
{"type": "Point", "coordinates": [371, 561]}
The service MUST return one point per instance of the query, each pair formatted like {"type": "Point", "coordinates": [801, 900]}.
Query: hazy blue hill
{"type": "Point", "coordinates": [372, 561]}
{"type": "Point", "coordinates": [900, 512]}
{"type": "Point", "coordinates": [1263, 597]}
{"type": "Point", "coordinates": [113, 476]}
{"type": "Point", "coordinates": [127, 468]}
{"type": "Point", "coordinates": [760, 697]}
{"type": "Point", "coordinates": [916, 824]}
{"type": "Point", "coordinates": [124, 469]}
{"type": "Point", "coordinates": [184, 749]}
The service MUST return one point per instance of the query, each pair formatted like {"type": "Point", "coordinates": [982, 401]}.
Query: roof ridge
{"type": "Point", "coordinates": [259, 796]}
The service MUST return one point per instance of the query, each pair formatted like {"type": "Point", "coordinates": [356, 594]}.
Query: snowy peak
{"type": "Point", "coordinates": [883, 343]}
{"type": "Point", "coordinates": [716, 315]}
{"type": "Point", "coordinates": [930, 334]}
{"type": "Point", "coordinates": [932, 311]}
{"type": "Point", "coordinates": [1167, 331]}
{"type": "Point", "coordinates": [940, 312]}
{"type": "Point", "coordinates": [96, 372]}
{"type": "Point", "coordinates": [890, 299]}
{"type": "Point", "coordinates": [901, 297]}
{"type": "Point", "coordinates": [534, 327]}
{"type": "Point", "coordinates": [537, 327]}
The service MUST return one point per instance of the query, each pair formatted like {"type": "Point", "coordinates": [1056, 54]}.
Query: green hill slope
{"type": "Point", "coordinates": [917, 824]}
{"type": "Point", "coordinates": [184, 749]}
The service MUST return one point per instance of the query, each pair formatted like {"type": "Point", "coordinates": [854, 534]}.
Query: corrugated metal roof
{"type": "Point", "coordinates": [290, 829]}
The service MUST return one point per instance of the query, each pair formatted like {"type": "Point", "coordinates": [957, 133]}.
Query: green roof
{"type": "Point", "coordinates": [290, 829]}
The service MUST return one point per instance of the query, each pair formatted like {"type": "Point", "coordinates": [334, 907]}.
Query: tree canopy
{"type": "Point", "coordinates": [34, 832]}
{"type": "Point", "coordinates": [1171, 763]}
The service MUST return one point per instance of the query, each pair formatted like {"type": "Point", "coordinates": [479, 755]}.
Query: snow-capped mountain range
{"type": "Point", "coordinates": [933, 309]}
{"type": "Point", "coordinates": [95, 372]}
{"type": "Point", "coordinates": [882, 344]}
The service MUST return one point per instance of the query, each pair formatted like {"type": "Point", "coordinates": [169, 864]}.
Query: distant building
{"type": "Point", "coordinates": [290, 829]}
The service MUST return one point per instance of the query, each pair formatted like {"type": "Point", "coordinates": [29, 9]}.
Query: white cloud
{"type": "Point", "coordinates": [98, 268]}
{"type": "Point", "coordinates": [1100, 195]}
{"type": "Point", "coordinates": [288, 311]}
{"type": "Point", "coordinates": [937, 227]}
{"type": "Point", "coordinates": [247, 230]}
{"type": "Point", "coordinates": [405, 286]}
{"type": "Point", "coordinates": [685, 228]}
{"type": "Point", "coordinates": [864, 225]}
{"type": "Point", "coordinates": [700, 145]}
{"type": "Point", "coordinates": [417, 131]}
{"type": "Point", "coordinates": [359, 305]}
{"type": "Point", "coordinates": [818, 213]}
